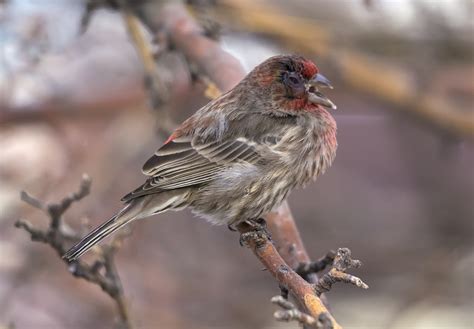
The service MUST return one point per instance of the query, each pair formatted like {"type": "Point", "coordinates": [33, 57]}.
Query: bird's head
{"type": "Point", "coordinates": [291, 84]}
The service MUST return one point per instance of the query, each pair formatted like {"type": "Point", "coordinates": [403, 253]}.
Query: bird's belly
{"type": "Point", "coordinates": [233, 198]}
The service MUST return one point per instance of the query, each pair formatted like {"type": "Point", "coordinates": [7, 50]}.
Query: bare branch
{"type": "Point", "coordinates": [36, 234]}
{"type": "Point", "coordinates": [157, 89]}
{"type": "Point", "coordinates": [304, 269]}
{"type": "Point", "coordinates": [56, 210]}
{"type": "Point", "coordinates": [59, 238]}
{"type": "Point", "coordinates": [302, 291]}
{"type": "Point", "coordinates": [288, 241]}
{"type": "Point", "coordinates": [31, 200]}
{"type": "Point", "coordinates": [291, 313]}
{"type": "Point", "coordinates": [342, 262]}
{"type": "Point", "coordinates": [185, 35]}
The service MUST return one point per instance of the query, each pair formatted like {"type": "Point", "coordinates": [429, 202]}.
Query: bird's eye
{"type": "Point", "coordinates": [294, 84]}
{"type": "Point", "coordinates": [294, 80]}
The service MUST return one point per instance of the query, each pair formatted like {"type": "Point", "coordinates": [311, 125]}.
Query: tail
{"type": "Point", "coordinates": [115, 223]}
{"type": "Point", "coordinates": [137, 208]}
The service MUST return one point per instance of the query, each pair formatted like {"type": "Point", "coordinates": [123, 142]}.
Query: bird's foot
{"type": "Point", "coordinates": [258, 233]}
{"type": "Point", "coordinates": [260, 225]}
{"type": "Point", "coordinates": [257, 237]}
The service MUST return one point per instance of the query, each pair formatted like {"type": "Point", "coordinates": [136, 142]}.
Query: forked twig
{"type": "Point", "coordinates": [342, 262]}
{"type": "Point", "coordinates": [103, 271]}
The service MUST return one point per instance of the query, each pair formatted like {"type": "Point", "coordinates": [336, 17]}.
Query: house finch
{"type": "Point", "coordinates": [241, 154]}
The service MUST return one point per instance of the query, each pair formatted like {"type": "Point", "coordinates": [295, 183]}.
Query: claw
{"type": "Point", "coordinates": [259, 233]}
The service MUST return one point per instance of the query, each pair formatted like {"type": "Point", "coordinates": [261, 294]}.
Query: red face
{"type": "Point", "coordinates": [294, 82]}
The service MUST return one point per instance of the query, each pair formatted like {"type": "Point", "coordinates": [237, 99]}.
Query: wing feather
{"type": "Point", "coordinates": [173, 148]}
{"type": "Point", "coordinates": [185, 162]}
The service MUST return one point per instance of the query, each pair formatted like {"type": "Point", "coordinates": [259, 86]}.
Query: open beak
{"type": "Point", "coordinates": [315, 96]}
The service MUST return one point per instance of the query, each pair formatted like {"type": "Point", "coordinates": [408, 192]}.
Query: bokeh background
{"type": "Point", "coordinates": [400, 194]}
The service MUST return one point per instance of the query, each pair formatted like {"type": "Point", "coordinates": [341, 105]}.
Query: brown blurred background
{"type": "Point", "coordinates": [400, 193]}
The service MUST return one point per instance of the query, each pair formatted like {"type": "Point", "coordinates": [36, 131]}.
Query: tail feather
{"type": "Point", "coordinates": [98, 234]}
{"type": "Point", "coordinates": [137, 208]}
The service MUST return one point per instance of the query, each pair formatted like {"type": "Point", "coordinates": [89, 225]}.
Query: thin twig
{"type": "Point", "coordinates": [32, 201]}
{"type": "Point", "coordinates": [291, 313]}
{"type": "Point", "coordinates": [59, 239]}
{"type": "Point", "coordinates": [342, 262]}
{"type": "Point", "coordinates": [157, 89]}
{"type": "Point", "coordinates": [306, 268]}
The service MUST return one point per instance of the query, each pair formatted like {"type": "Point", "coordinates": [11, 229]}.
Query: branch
{"type": "Point", "coordinates": [289, 243]}
{"type": "Point", "coordinates": [291, 313]}
{"type": "Point", "coordinates": [305, 269]}
{"type": "Point", "coordinates": [59, 238]}
{"type": "Point", "coordinates": [342, 262]}
{"type": "Point", "coordinates": [290, 246]}
{"type": "Point", "coordinates": [302, 291]}
{"type": "Point", "coordinates": [186, 36]}
{"type": "Point", "coordinates": [157, 89]}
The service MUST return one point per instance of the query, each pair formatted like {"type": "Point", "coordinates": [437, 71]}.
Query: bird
{"type": "Point", "coordinates": [239, 156]}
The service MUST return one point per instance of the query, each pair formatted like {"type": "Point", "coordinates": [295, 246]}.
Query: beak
{"type": "Point", "coordinates": [315, 96]}
{"type": "Point", "coordinates": [320, 80]}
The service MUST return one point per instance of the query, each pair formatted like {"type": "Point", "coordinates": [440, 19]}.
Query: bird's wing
{"type": "Point", "coordinates": [184, 162]}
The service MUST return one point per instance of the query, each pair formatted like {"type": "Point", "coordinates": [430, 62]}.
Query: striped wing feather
{"type": "Point", "coordinates": [183, 162]}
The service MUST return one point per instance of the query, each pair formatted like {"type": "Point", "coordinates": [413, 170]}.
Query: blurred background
{"type": "Point", "coordinates": [400, 194]}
